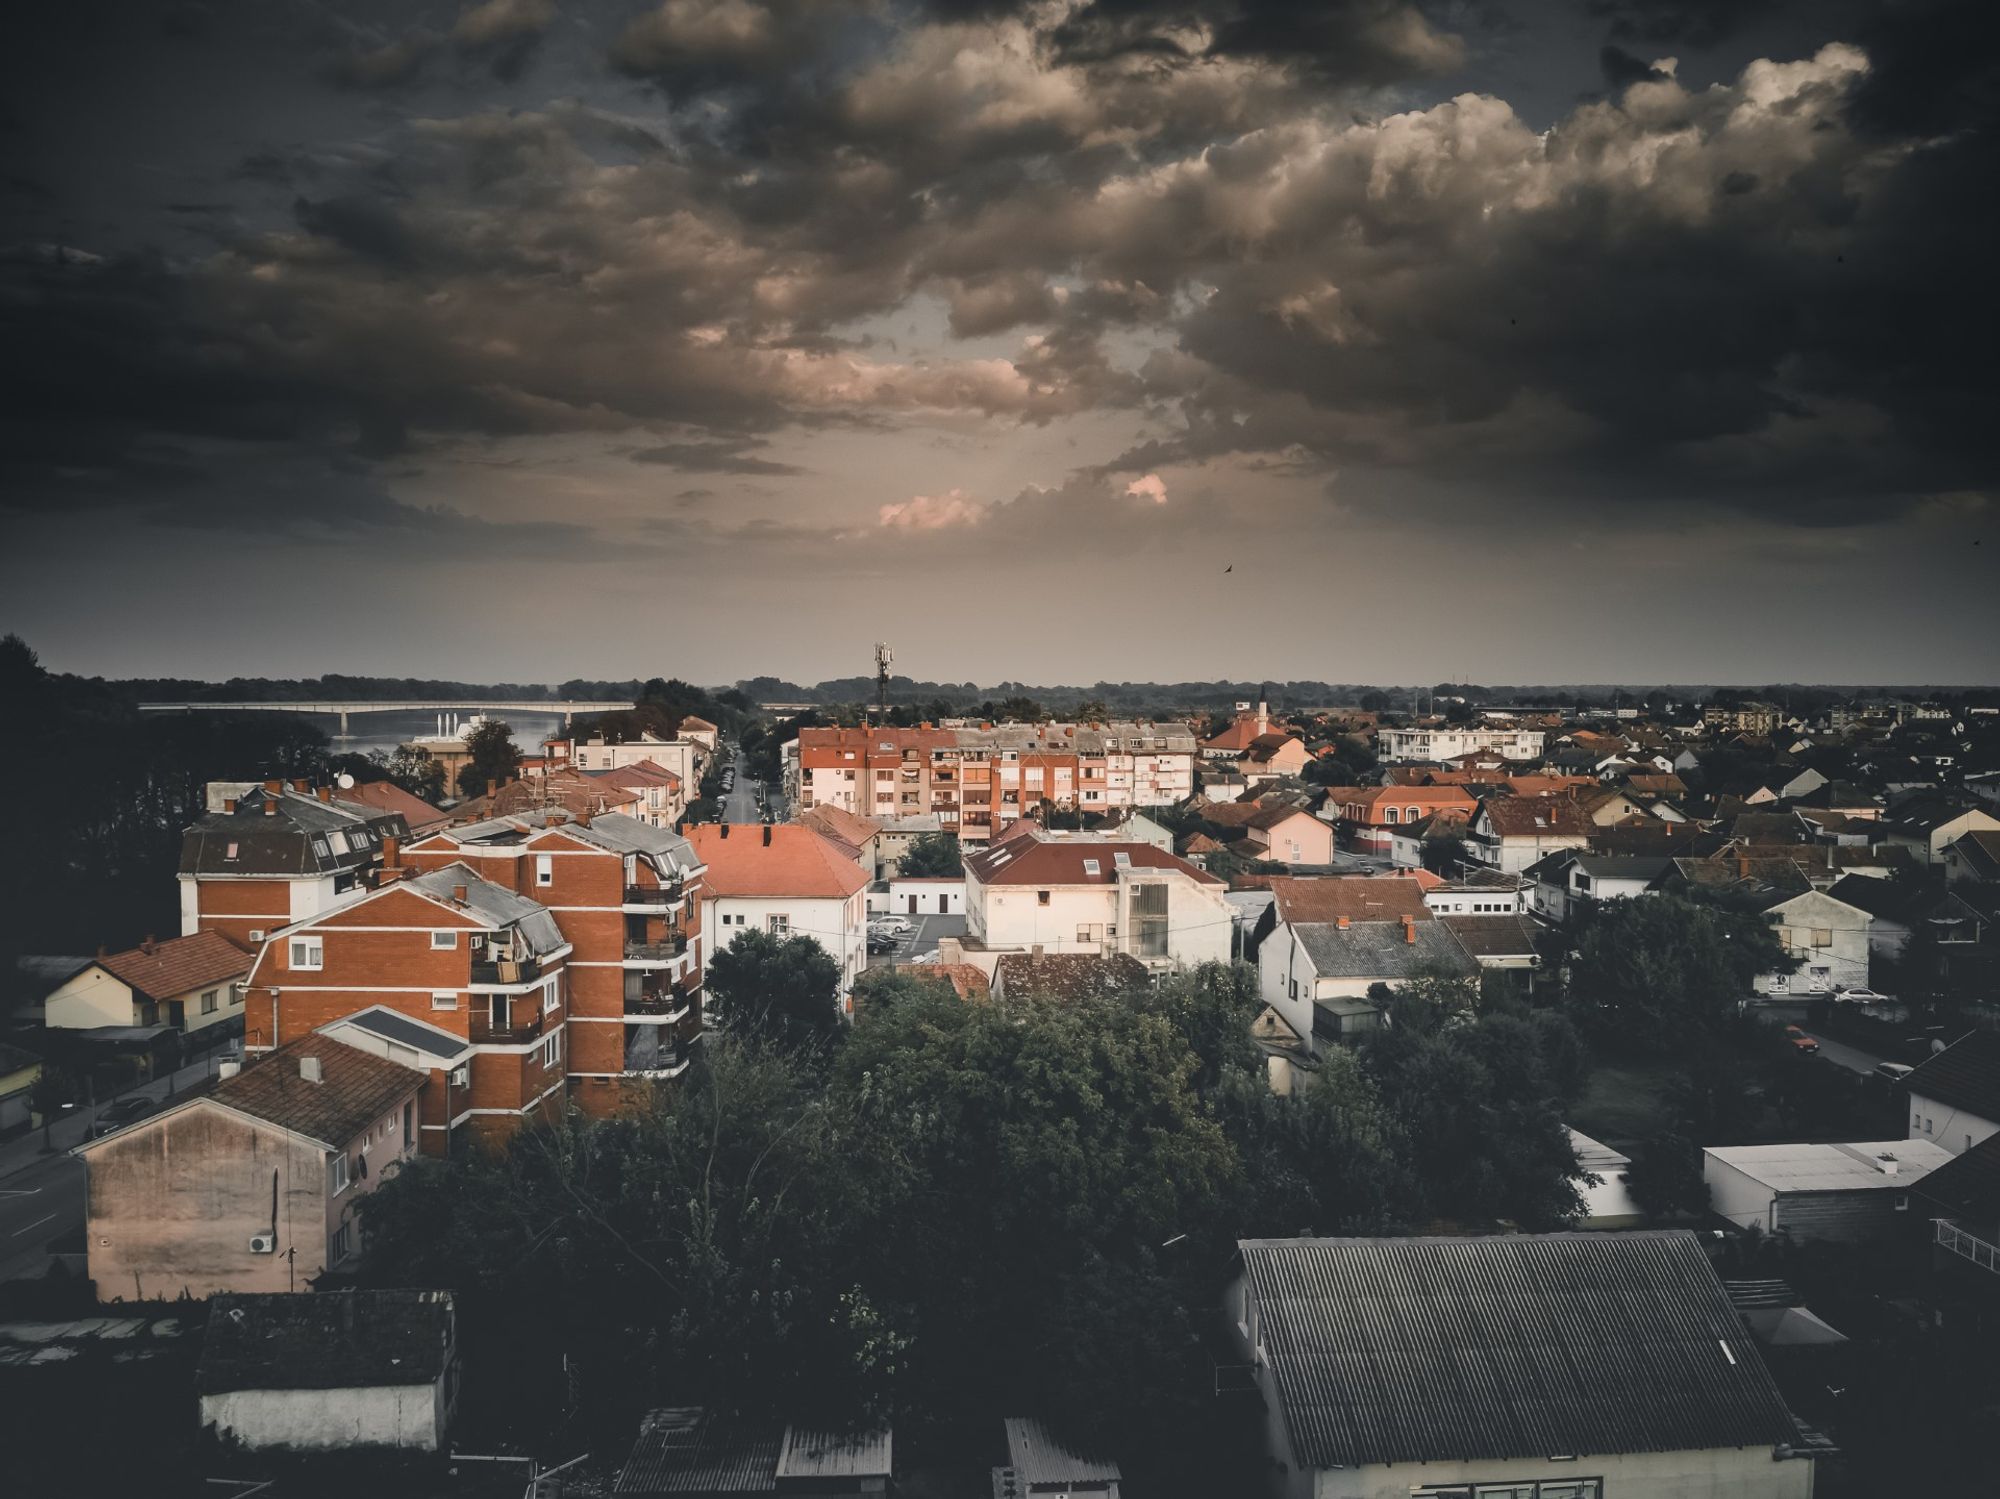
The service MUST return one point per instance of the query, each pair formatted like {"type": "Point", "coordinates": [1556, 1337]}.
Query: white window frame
{"type": "Point", "coordinates": [552, 1048]}
{"type": "Point", "coordinates": [338, 1177]}
{"type": "Point", "coordinates": [550, 1000]}
{"type": "Point", "coordinates": [545, 870]}
{"type": "Point", "coordinates": [778, 924]}
{"type": "Point", "coordinates": [442, 1000]}
{"type": "Point", "coordinates": [444, 941]}
{"type": "Point", "coordinates": [308, 955]}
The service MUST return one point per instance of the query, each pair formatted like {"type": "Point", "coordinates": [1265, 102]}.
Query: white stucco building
{"type": "Point", "coordinates": [785, 879]}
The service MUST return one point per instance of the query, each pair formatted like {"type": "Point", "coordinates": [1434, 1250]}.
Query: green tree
{"type": "Point", "coordinates": [782, 991]}
{"type": "Point", "coordinates": [1665, 1177]}
{"type": "Point", "coordinates": [416, 771]}
{"type": "Point", "coordinates": [930, 856]}
{"type": "Point", "coordinates": [1658, 973]}
{"type": "Point", "coordinates": [490, 743]}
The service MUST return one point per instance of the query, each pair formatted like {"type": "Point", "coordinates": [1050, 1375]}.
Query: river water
{"type": "Point", "coordinates": [370, 732]}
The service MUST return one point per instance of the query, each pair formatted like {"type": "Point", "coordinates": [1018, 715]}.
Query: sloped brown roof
{"type": "Point", "coordinates": [1304, 899]}
{"type": "Point", "coordinates": [167, 970]}
{"type": "Point", "coordinates": [1064, 861]}
{"type": "Point", "coordinates": [1068, 975]}
{"type": "Point", "coordinates": [355, 1089]}
{"type": "Point", "coordinates": [1529, 816]}
{"type": "Point", "coordinates": [387, 796]}
{"type": "Point", "coordinates": [837, 822]}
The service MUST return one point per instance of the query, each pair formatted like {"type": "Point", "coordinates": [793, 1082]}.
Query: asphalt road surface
{"type": "Point", "coordinates": [38, 1205]}
{"type": "Point", "coordinates": [740, 805]}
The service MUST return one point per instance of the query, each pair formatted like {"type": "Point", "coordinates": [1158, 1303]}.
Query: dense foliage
{"type": "Point", "coordinates": [933, 855]}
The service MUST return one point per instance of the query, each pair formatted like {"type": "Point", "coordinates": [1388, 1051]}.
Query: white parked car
{"type": "Point", "coordinates": [891, 924]}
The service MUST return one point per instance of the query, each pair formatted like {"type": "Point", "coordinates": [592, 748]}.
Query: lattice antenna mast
{"type": "Point", "coordinates": [883, 657]}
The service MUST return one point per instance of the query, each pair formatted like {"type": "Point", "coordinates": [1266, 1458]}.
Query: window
{"type": "Point", "coordinates": [778, 926]}
{"type": "Point", "coordinates": [208, 1005]}
{"type": "Point", "coordinates": [235, 995]}
{"type": "Point", "coordinates": [340, 1244]}
{"type": "Point", "coordinates": [552, 1048]}
{"type": "Point", "coordinates": [1822, 936]}
{"type": "Point", "coordinates": [1041, 897]}
{"type": "Point", "coordinates": [545, 870]}
{"type": "Point", "coordinates": [549, 998]}
{"type": "Point", "coordinates": [1149, 915]}
{"type": "Point", "coordinates": [307, 953]}
{"type": "Point", "coordinates": [1092, 868]}
{"type": "Point", "coordinates": [442, 940]}
{"type": "Point", "coordinates": [231, 854]}
{"type": "Point", "coordinates": [338, 842]}
{"type": "Point", "coordinates": [442, 1001]}
{"type": "Point", "coordinates": [409, 1125]}
{"type": "Point", "coordinates": [336, 1175]}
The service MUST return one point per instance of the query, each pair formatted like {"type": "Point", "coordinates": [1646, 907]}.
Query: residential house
{"type": "Point", "coordinates": [692, 1451]}
{"type": "Point", "coordinates": [1898, 910]}
{"type": "Point", "coordinates": [662, 795]}
{"type": "Point", "coordinates": [1839, 1193]}
{"type": "Point", "coordinates": [1245, 729]}
{"type": "Point", "coordinates": [627, 897]}
{"type": "Point", "coordinates": [1973, 858]}
{"type": "Point", "coordinates": [681, 756]}
{"type": "Point", "coordinates": [346, 1371]}
{"type": "Point", "coordinates": [1828, 937]}
{"type": "Point", "coordinates": [787, 880]}
{"type": "Point", "coordinates": [1596, 878]}
{"type": "Point", "coordinates": [1038, 892]}
{"type": "Point", "coordinates": [1962, 1200]}
{"type": "Point", "coordinates": [1511, 832]}
{"type": "Point", "coordinates": [1499, 944]}
{"type": "Point", "coordinates": [1607, 1204]}
{"type": "Point", "coordinates": [572, 793]}
{"type": "Point", "coordinates": [447, 947]}
{"type": "Point", "coordinates": [1528, 1365]}
{"type": "Point", "coordinates": [190, 983]}
{"type": "Point", "coordinates": [1369, 816]}
{"type": "Point", "coordinates": [1068, 976]}
{"type": "Point", "coordinates": [267, 854]}
{"type": "Point", "coordinates": [387, 799]}
{"type": "Point", "coordinates": [1929, 825]}
{"type": "Point", "coordinates": [1273, 756]}
{"type": "Point", "coordinates": [858, 837]}
{"type": "Point", "coordinates": [700, 731]}
{"type": "Point", "coordinates": [252, 1186]}
{"type": "Point", "coordinates": [1478, 892]}
{"type": "Point", "coordinates": [1281, 832]}
{"type": "Point", "coordinates": [1955, 1095]}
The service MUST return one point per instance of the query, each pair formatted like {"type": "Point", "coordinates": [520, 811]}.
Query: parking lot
{"type": "Point", "coordinates": [922, 938]}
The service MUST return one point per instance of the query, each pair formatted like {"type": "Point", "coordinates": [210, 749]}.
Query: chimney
{"type": "Point", "coordinates": [1343, 923]}
{"type": "Point", "coordinates": [309, 1069]}
{"type": "Point", "coordinates": [1888, 1164]}
{"type": "Point", "coordinates": [228, 804]}
{"type": "Point", "coordinates": [274, 788]}
{"type": "Point", "coordinates": [1410, 930]}
{"type": "Point", "coordinates": [271, 805]}
{"type": "Point", "coordinates": [302, 785]}
{"type": "Point", "coordinates": [324, 793]}
{"type": "Point", "coordinates": [146, 947]}
{"type": "Point", "coordinates": [767, 835]}
{"type": "Point", "coordinates": [458, 894]}
{"type": "Point", "coordinates": [392, 851]}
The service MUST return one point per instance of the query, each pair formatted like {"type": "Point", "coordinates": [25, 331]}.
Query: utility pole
{"type": "Point", "coordinates": [883, 656]}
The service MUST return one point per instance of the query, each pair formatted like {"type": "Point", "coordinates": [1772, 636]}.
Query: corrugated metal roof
{"type": "Point", "coordinates": [1441, 1349]}
{"type": "Point", "coordinates": [810, 1452]}
{"type": "Point", "coordinates": [1039, 1458]}
{"type": "Point", "coordinates": [683, 1450]}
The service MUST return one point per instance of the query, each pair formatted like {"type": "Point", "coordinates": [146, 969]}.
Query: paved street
{"type": "Point", "coordinates": [740, 805]}
{"type": "Point", "coordinates": [1839, 1053]}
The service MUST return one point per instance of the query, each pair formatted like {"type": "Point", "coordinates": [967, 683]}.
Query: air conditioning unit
{"type": "Point", "coordinates": [460, 1076]}
{"type": "Point", "coordinates": [263, 1243]}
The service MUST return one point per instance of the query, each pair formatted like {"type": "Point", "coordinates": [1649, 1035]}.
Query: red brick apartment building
{"type": "Point", "coordinates": [265, 855]}
{"type": "Point", "coordinates": [627, 898]}
{"type": "Point", "coordinates": [463, 955]}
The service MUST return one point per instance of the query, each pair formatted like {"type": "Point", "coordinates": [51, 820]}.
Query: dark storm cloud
{"type": "Point", "coordinates": [718, 457]}
{"type": "Point", "coordinates": [1694, 23]}
{"type": "Point", "coordinates": [1621, 68]}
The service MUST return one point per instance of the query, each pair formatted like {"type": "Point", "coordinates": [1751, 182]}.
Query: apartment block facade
{"type": "Point", "coordinates": [978, 779]}
{"type": "Point", "coordinates": [627, 896]}
{"type": "Point", "coordinates": [1436, 743]}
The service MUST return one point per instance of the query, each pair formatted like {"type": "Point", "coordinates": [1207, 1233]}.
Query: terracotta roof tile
{"type": "Point", "coordinates": [355, 1089]}
{"type": "Point", "coordinates": [778, 859]}
{"type": "Point", "coordinates": [170, 969]}
{"type": "Point", "coordinates": [1355, 897]}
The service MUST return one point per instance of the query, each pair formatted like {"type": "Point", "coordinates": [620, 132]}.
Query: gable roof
{"type": "Point", "coordinates": [1356, 897]}
{"type": "Point", "coordinates": [1965, 1075]}
{"type": "Point", "coordinates": [167, 970]}
{"type": "Point", "coordinates": [1492, 936]}
{"type": "Point", "coordinates": [330, 1340]}
{"type": "Point", "coordinates": [1532, 816]}
{"type": "Point", "coordinates": [795, 862]}
{"type": "Point", "coordinates": [840, 824]}
{"type": "Point", "coordinates": [387, 796]}
{"type": "Point", "coordinates": [1034, 860]}
{"type": "Point", "coordinates": [355, 1089]}
{"type": "Point", "coordinates": [1381, 949]}
{"type": "Point", "coordinates": [1522, 1345]}
{"type": "Point", "coordinates": [1968, 1185]}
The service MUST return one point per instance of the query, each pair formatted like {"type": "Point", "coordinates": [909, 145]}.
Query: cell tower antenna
{"type": "Point", "coordinates": [883, 657]}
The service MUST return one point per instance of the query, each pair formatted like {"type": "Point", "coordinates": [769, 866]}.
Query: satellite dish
{"type": "Point", "coordinates": [344, 781]}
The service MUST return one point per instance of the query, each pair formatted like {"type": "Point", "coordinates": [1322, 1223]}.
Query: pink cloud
{"type": "Point", "coordinates": [925, 512]}
{"type": "Point", "coordinates": [1151, 487]}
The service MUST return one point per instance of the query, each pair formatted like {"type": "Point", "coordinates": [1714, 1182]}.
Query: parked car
{"type": "Point", "coordinates": [1800, 1039]}
{"type": "Point", "coordinates": [883, 941]}
{"type": "Point", "coordinates": [1861, 997]}
{"type": "Point", "coordinates": [125, 1111]}
{"type": "Point", "coordinates": [895, 924]}
{"type": "Point", "coordinates": [1894, 1072]}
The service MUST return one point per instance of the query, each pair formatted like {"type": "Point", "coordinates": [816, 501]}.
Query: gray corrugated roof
{"type": "Point", "coordinates": [1412, 1350]}
{"type": "Point", "coordinates": [1039, 1458]}
{"type": "Point", "coordinates": [811, 1453]}
{"type": "Point", "coordinates": [683, 1450]}
{"type": "Point", "coordinates": [1381, 949]}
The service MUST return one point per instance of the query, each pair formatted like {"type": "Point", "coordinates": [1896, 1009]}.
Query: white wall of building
{"type": "Point", "coordinates": [1955, 1129]}
{"type": "Point", "coordinates": [410, 1417]}
{"type": "Point", "coordinates": [1096, 918]}
{"type": "Point", "coordinates": [839, 926]}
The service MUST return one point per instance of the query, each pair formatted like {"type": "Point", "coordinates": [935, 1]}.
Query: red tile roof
{"type": "Point", "coordinates": [170, 969]}
{"type": "Point", "coordinates": [780, 859]}
{"type": "Point", "coordinates": [1065, 861]}
{"type": "Point", "coordinates": [387, 796]}
{"type": "Point", "coordinates": [355, 1089]}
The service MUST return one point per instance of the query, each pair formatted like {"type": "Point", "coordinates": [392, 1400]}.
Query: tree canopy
{"type": "Point", "coordinates": [494, 757]}
{"type": "Point", "coordinates": [782, 991]}
{"type": "Point", "coordinates": [933, 855]}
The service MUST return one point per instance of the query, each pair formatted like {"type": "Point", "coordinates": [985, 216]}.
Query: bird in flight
{"type": "Point", "coordinates": [1231, 568]}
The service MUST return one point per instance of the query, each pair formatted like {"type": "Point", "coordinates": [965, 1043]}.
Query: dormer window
{"type": "Point", "coordinates": [230, 854]}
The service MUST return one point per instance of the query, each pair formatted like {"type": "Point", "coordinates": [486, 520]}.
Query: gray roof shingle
{"type": "Point", "coordinates": [1410, 1350]}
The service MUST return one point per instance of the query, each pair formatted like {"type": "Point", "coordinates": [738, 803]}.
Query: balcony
{"type": "Point", "coordinates": [654, 897]}
{"type": "Point", "coordinates": [1949, 1236]}
{"type": "Point", "coordinates": [664, 1003]}
{"type": "Point", "coordinates": [513, 1033]}
{"type": "Point", "coordinates": [665, 951]}
{"type": "Point", "coordinates": [498, 970]}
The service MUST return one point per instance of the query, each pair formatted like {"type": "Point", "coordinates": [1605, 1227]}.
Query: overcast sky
{"type": "Point", "coordinates": [1364, 340]}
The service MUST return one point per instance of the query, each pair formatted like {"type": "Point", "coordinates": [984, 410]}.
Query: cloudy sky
{"type": "Point", "coordinates": [1516, 340]}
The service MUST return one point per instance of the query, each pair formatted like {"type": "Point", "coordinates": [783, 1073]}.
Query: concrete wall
{"type": "Point", "coordinates": [1740, 1198]}
{"type": "Point", "coordinates": [933, 897]}
{"type": "Point", "coordinates": [1714, 1473]}
{"type": "Point", "coordinates": [839, 926]}
{"type": "Point", "coordinates": [409, 1417]}
{"type": "Point", "coordinates": [1952, 1128]}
